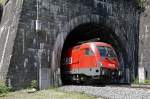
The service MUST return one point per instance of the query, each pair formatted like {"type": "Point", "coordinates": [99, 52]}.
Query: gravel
{"type": "Point", "coordinates": [110, 92]}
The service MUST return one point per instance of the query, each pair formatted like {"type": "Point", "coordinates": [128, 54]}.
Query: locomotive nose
{"type": "Point", "coordinates": [109, 64]}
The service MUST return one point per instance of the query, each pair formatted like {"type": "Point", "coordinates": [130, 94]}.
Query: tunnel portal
{"type": "Point", "coordinates": [25, 51]}
{"type": "Point", "coordinates": [89, 31]}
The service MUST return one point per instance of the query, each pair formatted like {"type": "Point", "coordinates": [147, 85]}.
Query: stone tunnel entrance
{"type": "Point", "coordinates": [63, 23]}
{"type": "Point", "coordinates": [89, 31]}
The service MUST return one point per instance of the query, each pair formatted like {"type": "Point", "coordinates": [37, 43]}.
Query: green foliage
{"type": "Point", "coordinates": [4, 89]}
{"type": "Point", "coordinates": [143, 3]}
{"type": "Point", "coordinates": [140, 2]}
{"type": "Point", "coordinates": [2, 2]}
{"type": "Point", "coordinates": [136, 81]}
{"type": "Point", "coordinates": [147, 81]}
{"type": "Point", "coordinates": [34, 84]}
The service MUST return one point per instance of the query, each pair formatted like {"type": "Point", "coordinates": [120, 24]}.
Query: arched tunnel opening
{"type": "Point", "coordinates": [86, 32]}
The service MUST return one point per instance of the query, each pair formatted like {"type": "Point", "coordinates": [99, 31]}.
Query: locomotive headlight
{"type": "Point", "coordinates": [111, 65]}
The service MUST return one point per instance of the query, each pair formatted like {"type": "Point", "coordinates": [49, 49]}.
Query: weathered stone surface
{"type": "Point", "coordinates": [144, 45]}
{"type": "Point", "coordinates": [8, 30]}
{"type": "Point", "coordinates": [32, 49]}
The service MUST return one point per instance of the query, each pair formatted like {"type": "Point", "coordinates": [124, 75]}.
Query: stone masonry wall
{"type": "Point", "coordinates": [8, 30]}
{"type": "Point", "coordinates": [34, 49]}
{"type": "Point", "coordinates": [144, 45]}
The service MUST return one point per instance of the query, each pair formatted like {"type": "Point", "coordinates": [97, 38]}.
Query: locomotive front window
{"type": "Point", "coordinates": [106, 51]}
{"type": "Point", "coordinates": [102, 51]}
{"type": "Point", "coordinates": [89, 52]}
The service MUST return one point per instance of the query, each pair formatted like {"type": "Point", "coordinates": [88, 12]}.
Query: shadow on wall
{"type": "Point", "coordinates": [1, 11]}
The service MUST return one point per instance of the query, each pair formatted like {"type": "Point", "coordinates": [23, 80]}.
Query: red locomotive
{"type": "Point", "coordinates": [94, 60]}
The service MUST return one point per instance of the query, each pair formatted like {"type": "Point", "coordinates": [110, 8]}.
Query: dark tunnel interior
{"type": "Point", "coordinates": [86, 32]}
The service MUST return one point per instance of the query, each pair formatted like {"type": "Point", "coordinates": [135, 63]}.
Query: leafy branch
{"type": "Point", "coordinates": [143, 3]}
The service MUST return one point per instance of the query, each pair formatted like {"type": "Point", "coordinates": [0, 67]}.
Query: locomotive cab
{"type": "Point", "coordinates": [95, 60]}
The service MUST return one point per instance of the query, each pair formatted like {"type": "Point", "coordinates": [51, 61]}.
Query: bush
{"type": "Point", "coordinates": [34, 84]}
{"type": "Point", "coordinates": [3, 89]}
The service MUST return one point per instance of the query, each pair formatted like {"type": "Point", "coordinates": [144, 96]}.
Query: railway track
{"type": "Point", "coordinates": [130, 86]}
{"type": "Point", "coordinates": [111, 91]}
{"type": "Point", "coordinates": [145, 86]}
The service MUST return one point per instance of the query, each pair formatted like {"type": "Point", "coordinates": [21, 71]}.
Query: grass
{"type": "Point", "coordinates": [46, 94]}
{"type": "Point", "coordinates": [136, 81]}
{"type": "Point", "coordinates": [147, 81]}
